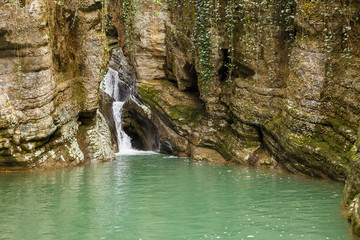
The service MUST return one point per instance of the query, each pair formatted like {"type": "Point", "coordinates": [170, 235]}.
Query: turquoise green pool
{"type": "Point", "coordinates": [161, 197]}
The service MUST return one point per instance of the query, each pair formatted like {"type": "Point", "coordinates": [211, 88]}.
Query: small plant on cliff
{"type": "Point", "coordinates": [128, 12]}
{"type": "Point", "coordinates": [230, 25]}
{"type": "Point", "coordinates": [105, 55]}
{"type": "Point", "coordinates": [19, 3]}
{"type": "Point", "coordinates": [266, 31]}
{"type": "Point", "coordinates": [202, 39]}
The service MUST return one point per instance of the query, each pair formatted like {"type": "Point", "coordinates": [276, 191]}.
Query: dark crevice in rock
{"type": "Point", "coordinates": [166, 147]}
{"type": "Point", "coordinates": [92, 7]}
{"type": "Point", "coordinates": [190, 71]}
{"type": "Point", "coordinates": [22, 3]}
{"type": "Point", "coordinates": [142, 132]}
{"type": "Point", "coordinates": [138, 126]}
{"type": "Point", "coordinates": [86, 118]}
{"type": "Point", "coordinates": [241, 70]}
{"type": "Point", "coordinates": [254, 157]}
{"type": "Point", "coordinates": [11, 161]}
{"type": "Point", "coordinates": [224, 69]}
{"type": "Point", "coordinates": [2, 36]}
{"type": "Point", "coordinates": [112, 32]}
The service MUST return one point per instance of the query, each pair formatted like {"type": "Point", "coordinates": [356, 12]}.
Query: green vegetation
{"type": "Point", "coordinates": [180, 113]}
{"type": "Point", "coordinates": [105, 58]}
{"type": "Point", "coordinates": [254, 25]}
{"type": "Point", "coordinates": [184, 115]}
{"type": "Point", "coordinates": [150, 96]}
{"type": "Point", "coordinates": [202, 38]}
{"type": "Point", "coordinates": [19, 3]}
{"type": "Point", "coordinates": [230, 25]}
{"type": "Point", "coordinates": [128, 13]}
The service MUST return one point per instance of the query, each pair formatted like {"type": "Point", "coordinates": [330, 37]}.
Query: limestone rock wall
{"type": "Point", "coordinates": [351, 198]}
{"type": "Point", "coordinates": [292, 92]}
{"type": "Point", "coordinates": [140, 30]}
{"type": "Point", "coordinates": [150, 40]}
{"type": "Point", "coordinates": [291, 100]}
{"type": "Point", "coordinates": [50, 56]}
{"type": "Point", "coordinates": [293, 84]}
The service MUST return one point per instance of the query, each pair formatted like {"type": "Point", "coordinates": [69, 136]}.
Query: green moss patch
{"type": "Point", "coordinates": [180, 107]}
{"type": "Point", "coordinates": [185, 115]}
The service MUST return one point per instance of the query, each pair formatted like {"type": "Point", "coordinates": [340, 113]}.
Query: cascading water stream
{"type": "Point", "coordinates": [119, 87]}
{"type": "Point", "coordinates": [124, 141]}
{"type": "Point", "coordinates": [110, 85]}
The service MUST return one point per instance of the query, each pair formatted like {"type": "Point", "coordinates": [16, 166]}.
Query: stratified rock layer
{"type": "Point", "coordinates": [291, 100]}
{"type": "Point", "coordinates": [50, 56]}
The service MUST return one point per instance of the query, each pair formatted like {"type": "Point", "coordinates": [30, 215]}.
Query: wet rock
{"type": "Point", "coordinates": [95, 139]}
{"type": "Point", "coordinates": [353, 215]}
{"type": "Point", "coordinates": [126, 74]}
{"type": "Point", "coordinates": [105, 107]}
{"type": "Point", "coordinates": [139, 127]}
{"type": "Point", "coordinates": [207, 155]}
{"type": "Point", "coordinates": [351, 197]}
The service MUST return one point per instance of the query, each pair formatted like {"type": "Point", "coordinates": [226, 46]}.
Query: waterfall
{"type": "Point", "coordinates": [110, 85]}
{"type": "Point", "coordinates": [124, 141]}
{"type": "Point", "coordinates": [117, 88]}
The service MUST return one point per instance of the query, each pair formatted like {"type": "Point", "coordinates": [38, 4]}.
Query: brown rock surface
{"type": "Point", "coordinates": [50, 56]}
{"type": "Point", "coordinates": [291, 101]}
{"type": "Point", "coordinates": [150, 43]}
{"type": "Point", "coordinates": [293, 97]}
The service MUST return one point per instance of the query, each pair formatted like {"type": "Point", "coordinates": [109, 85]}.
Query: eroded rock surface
{"type": "Point", "coordinates": [150, 41]}
{"type": "Point", "coordinates": [291, 100]}
{"type": "Point", "coordinates": [50, 56]}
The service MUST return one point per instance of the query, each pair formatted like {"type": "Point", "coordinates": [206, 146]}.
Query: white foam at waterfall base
{"type": "Point", "coordinates": [135, 152]}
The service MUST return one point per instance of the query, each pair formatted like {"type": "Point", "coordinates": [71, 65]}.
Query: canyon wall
{"type": "Point", "coordinates": [51, 55]}
{"type": "Point", "coordinates": [265, 83]}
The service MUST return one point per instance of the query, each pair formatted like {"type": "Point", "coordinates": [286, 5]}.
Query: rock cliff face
{"type": "Point", "coordinates": [268, 83]}
{"type": "Point", "coordinates": [50, 56]}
